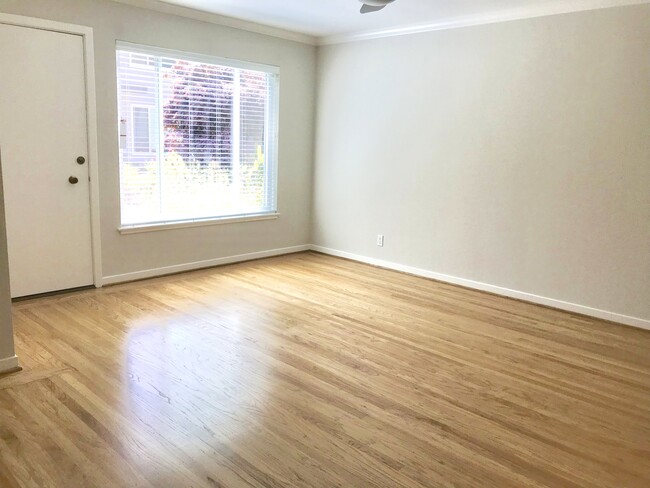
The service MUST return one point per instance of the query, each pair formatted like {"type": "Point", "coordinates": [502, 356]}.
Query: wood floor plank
{"type": "Point", "coordinates": [313, 371]}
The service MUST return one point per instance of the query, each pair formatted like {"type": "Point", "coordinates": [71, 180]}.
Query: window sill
{"type": "Point", "coordinates": [182, 224]}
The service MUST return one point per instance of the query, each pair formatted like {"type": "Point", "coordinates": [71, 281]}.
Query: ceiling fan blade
{"type": "Point", "coordinates": [365, 9]}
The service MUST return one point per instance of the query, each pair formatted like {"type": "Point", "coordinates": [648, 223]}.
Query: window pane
{"type": "Point", "coordinates": [139, 170]}
{"type": "Point", "coordinates": [253, 108]}
{"type": "Point", "coordinates": [141, 128]}
{"type": "Point", "coordinates": [212, 121]}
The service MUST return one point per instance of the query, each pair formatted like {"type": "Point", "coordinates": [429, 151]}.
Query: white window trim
{"type": "Point", "coordinates": [271, 130]}
{"type": "Point", "coordinates": [183, 224]}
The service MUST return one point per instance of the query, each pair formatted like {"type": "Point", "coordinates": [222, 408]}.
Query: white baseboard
{"type": "Point", "coordinates": [520, 295]}
{"type": "Point", "coordinates": [8, 364]}
{"type": "Point", "coordinates": [209, 263]}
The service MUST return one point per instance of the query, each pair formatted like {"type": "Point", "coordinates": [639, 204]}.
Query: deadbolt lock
{"type": "Point", "coordinates": [81, 160]}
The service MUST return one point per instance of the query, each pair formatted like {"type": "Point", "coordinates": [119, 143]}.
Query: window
{"type": "Point", "coordinates": [141, 129]}
{"type": "Point", "coordinates": [198, 137]}
{"type": "Point", "coordinates": [141, 60]}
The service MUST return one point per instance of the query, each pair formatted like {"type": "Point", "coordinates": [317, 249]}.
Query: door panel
{"type": "Point", "coordinates": [42, 132]}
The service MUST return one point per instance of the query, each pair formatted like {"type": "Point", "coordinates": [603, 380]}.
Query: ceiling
{"type": "Point", "coordinates": [332, 19]}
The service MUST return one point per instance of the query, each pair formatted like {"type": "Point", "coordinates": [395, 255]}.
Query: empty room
{"type": "Point", "coordinates": [324, 243]}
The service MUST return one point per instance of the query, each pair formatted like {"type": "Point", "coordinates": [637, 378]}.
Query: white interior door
{"type": "Point", "coordinates": [42, 133]}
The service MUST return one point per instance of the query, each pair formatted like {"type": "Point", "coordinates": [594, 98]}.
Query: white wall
{"type": "Point", "coordinates": [114, 21]}
{"type": "Point", "coordinates": [514, 154]}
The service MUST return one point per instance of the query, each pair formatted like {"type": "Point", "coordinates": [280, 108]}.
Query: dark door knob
{"type": "Point", "coordinates": [81, 160]}
{"type": "Point", "coordinates": [74, 180]}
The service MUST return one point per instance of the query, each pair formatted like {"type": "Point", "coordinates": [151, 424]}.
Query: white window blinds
{"type": "Point", "coordinates": [198, 136]}
{"type": "Point", "coordinates": [141, 129]}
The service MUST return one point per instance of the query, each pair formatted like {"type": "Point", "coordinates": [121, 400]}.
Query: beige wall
{"type": "Point", "coordinates": [6, 329]}
{"type": "Point", "coordinates": [514, 154]}
{"type": "Point", "coordinates": [112, 21]}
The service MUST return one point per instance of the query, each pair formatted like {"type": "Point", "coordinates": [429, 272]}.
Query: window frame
{"type": "Point", "coordinates": [272, 140]}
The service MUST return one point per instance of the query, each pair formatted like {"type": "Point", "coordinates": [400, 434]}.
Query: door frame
{"type": "Point", "coordinates": [86, 34]}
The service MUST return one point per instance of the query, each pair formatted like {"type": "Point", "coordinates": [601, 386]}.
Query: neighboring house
{"type": "Point", "coordinates": [139, 124]}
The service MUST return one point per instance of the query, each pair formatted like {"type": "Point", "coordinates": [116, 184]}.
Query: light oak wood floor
{"type": "Point", "coordinates": [312, 371]}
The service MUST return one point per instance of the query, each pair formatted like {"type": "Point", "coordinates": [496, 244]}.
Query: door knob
{"type": "Point", "coordinates": [73, 180]}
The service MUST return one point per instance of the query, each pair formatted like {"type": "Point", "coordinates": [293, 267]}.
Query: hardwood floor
{"type": "Point", "coordinates": [312, 371]}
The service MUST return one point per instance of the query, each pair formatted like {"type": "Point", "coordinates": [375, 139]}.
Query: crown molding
{"type": "Point", "coordinates": [548, 9]}
{"type": "Point", "coordinates": [556, 8]}
{"type": "Point", "coordinates": [222, 20]}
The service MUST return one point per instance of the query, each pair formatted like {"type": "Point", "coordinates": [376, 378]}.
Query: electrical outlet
{"type": "Point", "coordinates": [380, 240]}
